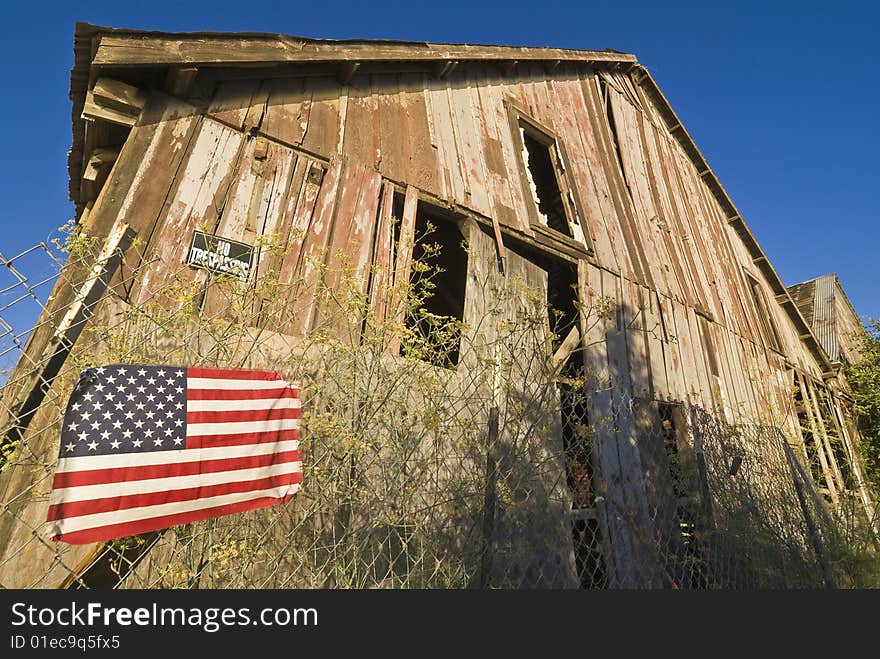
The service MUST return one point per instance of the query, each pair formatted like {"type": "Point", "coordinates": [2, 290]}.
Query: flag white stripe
{"type": "Point", "coordinates": [240, 427]}
{"type": "Point", "coordinates": [238, 405]}
{"type": "Point", "coordinates": [90, 462]}
{"type": "Point", "coordinates": [95, 520]}
{"type": "Point", "coordinates": [243, 385]}
{"type": "Point", "coordinates": [152, 485]}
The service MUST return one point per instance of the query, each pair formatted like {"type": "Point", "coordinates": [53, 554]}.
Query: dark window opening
{"type": "Point", "coordinates": [397, 200]}
{"type": "Point", "coordinates": [563, 318]}
{"type": "Point", "coordinates": [683, 472]}
{"type": "Point", "coordinates": [542, 164]}
{"type": "Point", "coordinates": [438, 278]}
{"type": "Point", "coordinates": [577, 437]}
{"type": "Point", "coordinates": [547, 180]}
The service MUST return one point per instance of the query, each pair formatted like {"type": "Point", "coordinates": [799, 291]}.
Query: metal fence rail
{"type": "Point", "coordinates": [416, 475]}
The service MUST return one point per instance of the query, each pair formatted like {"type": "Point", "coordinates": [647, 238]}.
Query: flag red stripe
{"type": "Point", "coordinates": [110, 531]}
{"type": "Point", "coordinates": [76, 508]}
{"type": "Point", "coordinates": [220, 416]}
{"type": "Point", "coordinates": [231, 373]}
{"type": "Point", "coordinates": [207, 441]}
{"type": "Point", "coordinates": [283, 391]}
{"type": "Point", "coordinates": [146, 472]}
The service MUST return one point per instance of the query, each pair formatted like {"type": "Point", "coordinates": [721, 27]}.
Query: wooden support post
{"type": "Point", "coordinates": [179, 80]}
{"type": "Point", "coordinates": [489, 500]}
{"type": "Point", "coordinates": [818, 546]}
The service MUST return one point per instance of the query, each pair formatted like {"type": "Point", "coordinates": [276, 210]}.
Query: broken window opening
{"type": "Point", "coordinates": [683, 476]}
{"type": "Point", "coordinates": [541, 166]}
{"type": "Point", "coordinates": [564, 322]}
{"type": "Point", "coordinates": [577, 435]}
{"type": "Point", "coordinates": [547, 179]}
{"type": "Point", "coordinates": [437, 278]}
{"type": "Point", "coordinates": [670, 428]}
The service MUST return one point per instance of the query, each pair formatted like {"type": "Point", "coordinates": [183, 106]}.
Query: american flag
{"type": "Point", "coordinates": [148, 447]}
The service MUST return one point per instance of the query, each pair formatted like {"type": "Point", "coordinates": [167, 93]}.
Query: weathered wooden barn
{"type": "Point", "coordinates": [565, 169]}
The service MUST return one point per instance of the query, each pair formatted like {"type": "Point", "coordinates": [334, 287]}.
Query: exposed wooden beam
{"type": "Point", "coordinates": [179, 80]}
{"type": "Point", "coordinates": [508, 66]}
{"type": "Point", "coordinates": [551, 65]}
{"type": "Point", "coordinates": [139, 49]}
{"type": "Point", "coordinates": [347, 71]}
{"type": "Point", "coordinates": [98, 163]}
{"type": "Point", "coordinates": [443, 69]}
{"type": "Point", "coordinates": [120, 96]}
{"type": "Point", "coordinates": [93, 111]}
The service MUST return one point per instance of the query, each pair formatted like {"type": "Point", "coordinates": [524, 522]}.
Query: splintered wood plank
{"type": "Point", "coordinates": [232, 101]}
{"type": "Point", "coordinates": [653, 328]}
{"type": "Point", "coordinates": [420, 159]}
{"type": "Point", "coordinates": [657, 190]}
{"type": "Point", "coordinates": [392, 148]}
{"type": "Point", "coordinates": [403, 252]}
{"type": "Point", "coordinates": [636, 340]}
{"type": "Point", "coordinates": [270, 226]}
{"type": "Point", "coordinates": [617, 541]}
{"type": "Point", "coordinates": [469, 142]}
{"type": "Point", "coordinates": [172, 127]}
{"type": "Point", "coordinates": [305, 188]}
{"type": "Point", "coordinates": [818, 437]}
{"type": "Point", "coordinates": [287, 113]}
{"type": "Point", "coordinates": [322, 132]}
{"type": "Point", "coordinates": [307, 184]}
{"type": "Point", "coordinates": [314, 248]}
{"type": "Point", "coordinates": [452, 176]}
{"type": "Point", "coordinates": [701, 233]}
{"type": "Point", "coordinates": [242, 217]}
{"type": "Point", "coordinates": [625, 121]}
{"type": "Point", "coordinates": [196, 204]}
{"type": "Point", "coordinates": [672, 358]}
{"type": "Point", "coordinates": [609, 164]}
{"type": "Point", "coordinates": [569, 105]}
{"type": "Point", "coordinates": [360, 122]}
{"type": "Point", "coordinates": [348, 257]}
{"type": "Point", "coordinates": [502, 155]}
{"type": "Point", "coordinates": [714, 354]}
{"type": "Point", "coordinates": [598, 197]}
{"type": "Point", "coordinates": [684, 352]}
{"type": "Point", "coordinates": [681, 219]}
{"type": "Point", "coordinates": [496, 184]}
{"type": "Point", "coordinates": [632, 496]}
{"type": "Point", "coordinates": [380, 284]}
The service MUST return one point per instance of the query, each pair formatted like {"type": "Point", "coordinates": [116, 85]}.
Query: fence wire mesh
{"type": "Point", "coordinates": [499, 471]}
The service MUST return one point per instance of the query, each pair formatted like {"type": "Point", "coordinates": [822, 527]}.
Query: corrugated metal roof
{"type": "Point", "coordinates": [816, 301]}
{"type": "Point", "coordinates": [824, 326]}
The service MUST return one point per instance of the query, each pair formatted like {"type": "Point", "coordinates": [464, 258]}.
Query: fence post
{"type": "Point", "coordinates": [489, 500]}
{"type": "Point", "coordinates": [818, 546]}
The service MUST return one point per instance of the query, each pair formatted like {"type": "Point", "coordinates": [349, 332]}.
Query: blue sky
{"type": "Point", "coordinates": [781, 97]}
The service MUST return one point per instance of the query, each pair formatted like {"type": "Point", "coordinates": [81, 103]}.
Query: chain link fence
{"type": "Point", "coordinates": [493, 472]}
